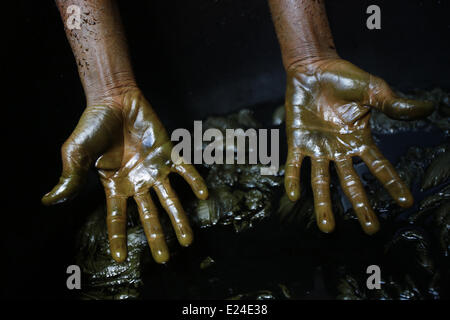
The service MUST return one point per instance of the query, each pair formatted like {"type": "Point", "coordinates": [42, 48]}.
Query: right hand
{"type": "Point", "coordinates": [131, 150]}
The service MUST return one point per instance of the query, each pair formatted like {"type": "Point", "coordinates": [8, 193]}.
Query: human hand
{"type": "Point", "coordinates": [328, 105]}
{"type": "Point", "coordinates": [132, 152]}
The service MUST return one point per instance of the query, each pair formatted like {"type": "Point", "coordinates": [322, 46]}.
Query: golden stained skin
{"type": "Point", "coordinates": [120, 134]}
{"type": "Point", "coordinates": [328, 105]}
{"type": "Point", "coordinates": [131, 151]}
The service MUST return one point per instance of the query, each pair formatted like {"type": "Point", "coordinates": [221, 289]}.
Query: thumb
{"type": "Point", "coordinates": [66, 189]}
{"type": "Point", "coordinates": [98, 126]}
{"type": "Point", "coordinates": [384, 99]}
{"type": "Point", "coordinates": [72, 178]}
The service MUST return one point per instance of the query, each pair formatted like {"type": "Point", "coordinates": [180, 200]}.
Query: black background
{"type": "Point", "coordinates": [191, 59]}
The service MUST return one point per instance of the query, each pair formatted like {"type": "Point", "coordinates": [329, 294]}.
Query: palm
{"type": "Point", "coordinates": [141, 157]}
{"type": "Point", "coordinates": [317, 137]}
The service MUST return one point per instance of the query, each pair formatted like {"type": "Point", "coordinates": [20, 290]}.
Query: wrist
{"type": "Point", "coordinates": [308, 57]}
{"type": "Point", "coordinates": [110, 90]}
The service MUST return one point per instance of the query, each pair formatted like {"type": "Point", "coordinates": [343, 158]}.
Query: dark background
{"type": "Point", "coordinates": [191, 59]}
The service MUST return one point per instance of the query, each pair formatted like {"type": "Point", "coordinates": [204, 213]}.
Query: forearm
{"type": "Point", "coordinates": [100, 48]}
{"type": "Point", "coordinates": [302, 30]}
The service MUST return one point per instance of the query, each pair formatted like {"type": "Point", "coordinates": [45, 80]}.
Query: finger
{"type": "Point", "coordinates": [116, 221]}
{"type": "Point", "coordinates": [292, 175]}
{"type": "Point", "coordinates": [152, 227]}
{"type": "Point", "coordinates": [320, 181]}
{"type": "Point", "coordinates": [385, 172]}
{"type": "Point", "coordinates": [383, 98]}
{"type": "Point", "coordinates": [172, 205]}
{"type": "Point", "coordinates": [354, 191]}
{"type": "Point", "coordinates": [188, 172]}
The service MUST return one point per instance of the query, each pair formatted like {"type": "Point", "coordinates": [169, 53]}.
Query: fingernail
{"type": "Point", "coordinates": [161, 254]}
{"type": "Point", "coordinates": [49, 199]}
{"type": "Point", "coordinates": [292, 191]}
{"type": "Point", "coordinates": [202, 192]}
{"type": "Point", "coordinates": [46, 199]}
{"type": "Point", "coordinates": [406, 200]}
{"type": "Point", "coordinates": [371, 227]}
{"type": "Point", "coordinates": [185, 236]}
{"type": "Point", "coordinates": [325, 225]}
{"type": "Point", "coordinates": [118, 252]}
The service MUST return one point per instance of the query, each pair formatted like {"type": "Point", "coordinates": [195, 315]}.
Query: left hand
{"type": "Point", "coordinates": [328, 105]}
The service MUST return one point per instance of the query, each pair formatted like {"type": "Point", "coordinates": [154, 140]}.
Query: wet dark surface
{"type": "Point", "coordinates": [208, 57]}
{"type": "Point", "coordinates": [251, 242]}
